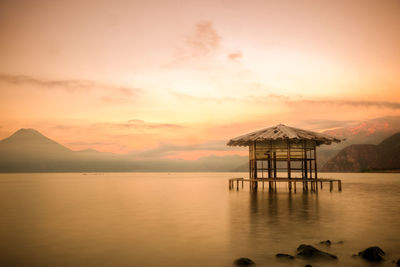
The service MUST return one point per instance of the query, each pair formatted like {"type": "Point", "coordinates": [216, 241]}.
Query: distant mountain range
{"type": "Point", "coordinates": [367, 132]}
{"type": "Point", "coordinates": [372, 131]}
{"type": "Point", "coordinates": [27, 150]}
{"type": "Point", "coordinates": [367, 157]}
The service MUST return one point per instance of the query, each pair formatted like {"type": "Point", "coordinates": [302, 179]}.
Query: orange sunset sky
{"type": "Point", "coordinates": [130, 76]}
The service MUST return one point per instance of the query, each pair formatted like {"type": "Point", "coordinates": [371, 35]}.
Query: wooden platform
{"type": "Point", "coordinates": [307, 184]}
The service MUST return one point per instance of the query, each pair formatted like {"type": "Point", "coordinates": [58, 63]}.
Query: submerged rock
{"type": "Point", "coordinates": [326, 242]}
{"type": "Point", "coordinates": [244, 262]}
{"type": "Point", "coordinates": [372, 254]}
{"type": "Point", "coordinates": [284, 256]}
{"type": "Point", "coordinates": [308, 251]}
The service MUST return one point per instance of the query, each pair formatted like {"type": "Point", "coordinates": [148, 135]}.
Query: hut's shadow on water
{"type": "Point", "coordinates": [281, 208]}
{"type": "Point", "coordinates": [265, 223]}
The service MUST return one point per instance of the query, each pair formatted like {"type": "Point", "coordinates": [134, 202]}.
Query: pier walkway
{"type": "Point", "coordinates": [307, 184]}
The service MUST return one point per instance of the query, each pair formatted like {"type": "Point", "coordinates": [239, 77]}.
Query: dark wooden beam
{"type": "Point", "coordinates": [288, 159]}
{"type": "Point", "coordinates": [315, 162]}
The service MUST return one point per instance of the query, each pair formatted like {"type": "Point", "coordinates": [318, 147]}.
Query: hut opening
{"type": "Point", "coordinates": [283, 151]}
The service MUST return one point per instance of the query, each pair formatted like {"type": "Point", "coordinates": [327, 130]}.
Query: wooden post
{"type": "Point", "coordinates": [321, 184]}
{"type": "Point", "coordinates": [340, 185]}
{"type": "Point", "coordinates": [274, 166]}
{"type": "Point", "coordinates": [310, 165]}
{"type": "Point", "coordinates": [255, 160]}
{"type": "Point", "coordinates": [288, 159]}
{"type": "Point", "coordinates": [315, 162]}
{"type": "Point", "coordinates": [330, 186]}
{"type": "Point", "coordinates": [274, 154]}
{"type": "Point", "coordinates": [295, 186]}
{"type": "Point", "coordinates": [255, 184]}
{"type": "Point", "coordinates": [250, 163]}
{"type": "Point", "coordinates": [305, 162]}
{"type": "Point", "coordinates": [262, 168]}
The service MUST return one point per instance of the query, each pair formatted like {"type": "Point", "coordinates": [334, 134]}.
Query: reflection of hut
{"type": "Point", "coordinates": [282, 149]}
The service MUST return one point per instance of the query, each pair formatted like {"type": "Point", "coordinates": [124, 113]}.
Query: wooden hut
{"type": "Point", "coordinates": [282, 150]}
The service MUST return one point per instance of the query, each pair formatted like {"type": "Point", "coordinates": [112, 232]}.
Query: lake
{"type": "Point", "coordinates": [190, 219]}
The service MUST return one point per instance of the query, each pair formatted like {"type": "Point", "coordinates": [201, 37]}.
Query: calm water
{"type": "Point", "coordinates": [189, 219]}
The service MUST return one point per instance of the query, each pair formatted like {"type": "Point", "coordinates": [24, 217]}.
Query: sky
{"type": "Point", "coordinates": [183, 77]}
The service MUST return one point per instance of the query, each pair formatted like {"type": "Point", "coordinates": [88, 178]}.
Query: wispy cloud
{"type": "Point", "coordinates": [327, 124]}
{"type": "Point", "coordinates": [353, 103]}
{"type": "Point", "coordinates": [81, 143]}
{"type": "Point", "coordinates": [235, 56]}
{"type": "Point", "coordinates": [165, 150]}
{"type": "Point", "coordinates": [71, 86]}
{"type": "Point", "coordinates": [140, 124]}
{"type": "Point", "coordinates": [187, 97]}
{"type": "Point", "coordinates": [204, 39]}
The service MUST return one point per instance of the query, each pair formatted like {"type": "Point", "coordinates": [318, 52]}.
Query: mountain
{"type": "Point", "coordinates": [367, 157]}
{"type": "Point", "coordinates": [371, 131]}
{"type": "Point", "coordinates": [31, 142]}
{"type": "Point", "coordinates": [27, 150]}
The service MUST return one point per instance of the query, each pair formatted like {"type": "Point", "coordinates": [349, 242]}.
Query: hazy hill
{"type": "Point", "coordinates": [371, 131]}
{"type": "Point", "coordinates": [367, 157]}
{"type": "Point", "coordinates": [27, 150]}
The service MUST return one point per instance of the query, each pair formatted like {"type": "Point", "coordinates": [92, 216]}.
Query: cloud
{"type": "Point", "coordinates": [353, 103]}
{"type": "Point", "coordinates": [268, 98]}
{"type": "Point", "coordinates": [79, 143]}
{"type": "Point", "coordinates": [190, 98]}
{"type": "Point", "coordinates": [326, 124]}
{"type": "Point", "coordinates": [165, 150]}
{"type": "Point", "coordinates": [140, 124]}
{"type": "Point", "coordinates": [203, 40]}
{"type": "Point", "coordinates": [235, 56]}
{"type": "Point", "coordinates": [70, 86]}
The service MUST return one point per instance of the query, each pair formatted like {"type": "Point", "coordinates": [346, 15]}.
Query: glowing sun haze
{"type": "Point", "coordinates": [130, 76]}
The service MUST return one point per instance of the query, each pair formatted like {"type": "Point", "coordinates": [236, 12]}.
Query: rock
{"type": "Point", "coordinates": [308, 251]}
{"type": "Point", "coordinates": [326, 242]}
{"type": "Point", "coordinates": [372, 254]}
{"type": "Point", "coordinates": [244, 262]}
{"type": "Point", "coordinates": [398, 263]}
{"type": "Point", "coordinates": [284, 256]}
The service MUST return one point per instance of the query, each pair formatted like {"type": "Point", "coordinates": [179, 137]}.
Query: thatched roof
{"type": "Point", "coordinates": [282, 132]}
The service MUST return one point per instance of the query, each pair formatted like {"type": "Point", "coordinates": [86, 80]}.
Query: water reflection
{"type": "Point", "coordinates": [188, 219]}
{"type": "Point", "coordinates": [278, 208]}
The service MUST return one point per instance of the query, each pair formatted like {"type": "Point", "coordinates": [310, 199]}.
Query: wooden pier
{"type": "Point", "coordinates": [307, 184]}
